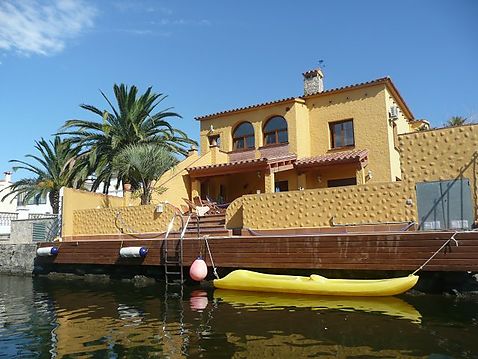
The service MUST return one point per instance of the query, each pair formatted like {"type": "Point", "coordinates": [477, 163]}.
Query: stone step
{"type": "Point", "coordinates": [206, 225]}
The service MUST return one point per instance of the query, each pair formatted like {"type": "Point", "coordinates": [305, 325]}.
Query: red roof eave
{"type": "Point", "coordinates": [228, 168]}
{"type": "Point", "coordinates": [344, 157]}
{"type": "Point", "coordinates": [383, 80]}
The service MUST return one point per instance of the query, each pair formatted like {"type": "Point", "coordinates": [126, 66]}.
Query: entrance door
{"type": "Point", "coordinates": [204, 189]}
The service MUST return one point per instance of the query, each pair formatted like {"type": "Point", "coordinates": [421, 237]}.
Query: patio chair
{"type": "Point", "coordinates": [221, 207]}
{"type": "Point", "coordinates": [197, 207]}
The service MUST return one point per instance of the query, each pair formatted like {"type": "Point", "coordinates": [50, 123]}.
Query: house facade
{"type": "Point", "coordinates": [324, 138]}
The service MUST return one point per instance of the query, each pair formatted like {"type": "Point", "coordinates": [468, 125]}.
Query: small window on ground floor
{"type": "Point", "coordinates": [342, 182]}
{"type": "Point", "coordinates": [281, 186]}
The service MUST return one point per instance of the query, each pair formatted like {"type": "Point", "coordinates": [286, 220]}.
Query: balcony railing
{"type": "Point", "coordinates": [6, 218]}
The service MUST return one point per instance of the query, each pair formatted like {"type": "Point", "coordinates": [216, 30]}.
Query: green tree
{"type": "Point", "coordinates": [142, 165]}
{"type": "Point", "coordinates": [456, 121]}
{"type": "Point", "coordinates": [53, 168]}
{"type": "Point", "coordinates": [134, 120]}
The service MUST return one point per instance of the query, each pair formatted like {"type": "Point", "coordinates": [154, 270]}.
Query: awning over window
{"type": "Point", "coordinates": [343, 157]}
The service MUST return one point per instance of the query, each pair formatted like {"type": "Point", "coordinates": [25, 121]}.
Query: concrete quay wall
{"type": "Point", "coordinates": [17, 258]}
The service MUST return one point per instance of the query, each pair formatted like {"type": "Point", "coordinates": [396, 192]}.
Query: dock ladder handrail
{"type": "Point", "coordinates": [168, 263]}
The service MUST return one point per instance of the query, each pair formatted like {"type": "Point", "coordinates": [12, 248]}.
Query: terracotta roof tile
{"type": "Point", "coordinates": [372, 82]}
{"type": "Point", "coordinates": [259, 162]}
{"type": "Point", "coordinates": [246, 108]}
{"type": "Point", "coordinates": [228, 164]}
{"type": "Point", "coordinates": [333, 158]}
{"type": "Point", "coordinates": [325, 92]}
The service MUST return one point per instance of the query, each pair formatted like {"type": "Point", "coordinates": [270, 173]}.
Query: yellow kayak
{"type": "Point", "coordinates": [315, 284]}
{"type": "Point", "coordinates": [391, 306]}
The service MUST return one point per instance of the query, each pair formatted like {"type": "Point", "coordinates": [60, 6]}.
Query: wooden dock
{"type": "Point", "coordinates": [376, 251]}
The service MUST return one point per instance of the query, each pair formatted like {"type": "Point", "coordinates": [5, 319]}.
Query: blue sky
{"type": "Point", "coordinates": [211, 56]}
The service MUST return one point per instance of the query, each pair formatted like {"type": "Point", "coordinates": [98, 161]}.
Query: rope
{"type": "Point", "coordinates": [214, 269]}
{"type": "Point", "coordinates": [124, 225]}
{"type": "Point", "coordinates": [452, 238]}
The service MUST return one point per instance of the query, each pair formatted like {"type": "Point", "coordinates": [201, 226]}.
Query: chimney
{"type": "Point", "coordinates": [313, 81]}
{"type": "Point", "coordinates": [8, 176]}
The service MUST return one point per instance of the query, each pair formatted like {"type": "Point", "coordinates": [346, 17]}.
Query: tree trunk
{"type": "Point", "coordinates": [54, 196]}
{"type": "Point", "coordinates": [146, 195]}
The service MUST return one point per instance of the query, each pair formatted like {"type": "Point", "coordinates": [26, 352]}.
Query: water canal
{"type": "Point", "coordinates": [90, 318]}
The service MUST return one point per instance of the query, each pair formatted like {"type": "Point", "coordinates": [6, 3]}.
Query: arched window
{"type": "Point", "coordinates": [275, 131]}
{"type": "Point", "coordinates": [243, 136]}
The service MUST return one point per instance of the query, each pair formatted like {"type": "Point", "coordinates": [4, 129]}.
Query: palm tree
{"type": "Point", "coordinates": [456, 121]}
{"type": "Point", "coordinates": [54, 168]}
{"type": "Point", "coordinates": [143, 164]}
{"type": "Point", "coordinates": [130, 122]}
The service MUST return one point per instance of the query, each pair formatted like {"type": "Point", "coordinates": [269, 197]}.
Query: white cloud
{"type": "Point", "coordinates": [42, 27]}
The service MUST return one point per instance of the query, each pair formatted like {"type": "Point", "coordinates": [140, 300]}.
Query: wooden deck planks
{"type": "Point", "coordinates": [371, 251]}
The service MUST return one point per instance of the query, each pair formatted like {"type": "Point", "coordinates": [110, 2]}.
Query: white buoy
{"type": "Point", "coordinates": [133, 252]}
{"type": "Point", "coordinates": [47, 251]}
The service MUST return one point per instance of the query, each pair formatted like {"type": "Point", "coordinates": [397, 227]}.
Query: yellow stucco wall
{"type": "Point", "coordinates": [366, 107]}
{"type": "Point", "coordinates": [234, 214]}
{"type": "Point", "coordinates": [317, 178]}
{"type": "Point", "coordinates": [441, 154]}
{"type": "Point", "coordinates": [403, 126]}
{"type": "Point", "coordinates": [225, 125]}
{"type": "Point", "coordinates": [298, 124]}
{"type": "Point", "coordinates": [177, 181]}
{"type": "Point", "coordinates": [133, 220]}
{"type": "Point", "coordinates": [74, 199]}
{"type": "Point", "coordinates": [308, 121]}
{"type": "Point", "coordinates": [308, 126]}
{"type": "Point", "coordinates": [315, 208]}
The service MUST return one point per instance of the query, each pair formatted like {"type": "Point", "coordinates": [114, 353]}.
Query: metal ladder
{"type": "Point", "coordinates": [177, 262]}
{"type": "Point", "coordinates": [174, 326]}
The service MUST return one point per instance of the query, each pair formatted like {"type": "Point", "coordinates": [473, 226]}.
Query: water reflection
{"type": "Point", "coordinates": [78, 319]}
{"type": "Point", "coordinates": [392, 306]}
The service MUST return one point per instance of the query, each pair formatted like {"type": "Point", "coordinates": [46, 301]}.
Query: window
{"type": "Point", "coordinates": [275, 131]}
{"type": "Point", "coordinates": [342, 134]}
{"type": "Point", "coordinates": [281, 186]}
{"type": "Point", "coordinates": [35, 200]}
{"type": "Point", "coordinates": [342, 182]}
{"type": "Point", "coordinates": [243, 136]}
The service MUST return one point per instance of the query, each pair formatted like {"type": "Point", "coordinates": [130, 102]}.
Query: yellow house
{"type": "Point", "coordinates": [324, 138]}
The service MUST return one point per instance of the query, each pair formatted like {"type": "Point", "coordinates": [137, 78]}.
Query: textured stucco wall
{"type": "Point", "coordinates": [74, 200]}
{"type": "Point", "coordinates": [17, 258]}
{"type": "Point", "coordinates": [234, 214]}
{"type": "Point", "coordinates": [135, 219]}
{"type": "Point", "coordinates": [441, 154]}
{"type": "Point", "coordinates": [315, 208]}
